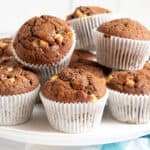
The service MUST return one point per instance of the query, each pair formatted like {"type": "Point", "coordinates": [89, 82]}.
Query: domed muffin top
{"type": "Point", "coordinates": [126, 28]}
{"type": "Point", "coordinates": [131, 82]}
{"type": "Point", "coordinates": [15, 80]}
{"type": "Point", "coordinates": [43, 40]}
{"type": "Point", "coordinates": [84, 11]}
{"type": "Point", "coordinates": [74, 85]}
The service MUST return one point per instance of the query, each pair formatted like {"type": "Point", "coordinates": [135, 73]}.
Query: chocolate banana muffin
{"type": "Point", "coordinates": [126, 28]}
{"type": "Point", "coordinates": [84, 11]}
{"type": "Point", "coordinates": [15, 80]}
{"type": "Point", "coordinates": [82, 55]}
{"type": "Point", "coordinates": [5, 50]}
{"type": "Point", "coordinates": [90, 66]}
{"type": "Point", "coordinates": [131, 82]}
{"type": "Point", "coordinates": [43, 40]}
{"type": "Point", "coordinates": [74, 85]}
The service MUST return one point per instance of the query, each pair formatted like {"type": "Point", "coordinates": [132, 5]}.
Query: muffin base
{"type": "Point", "coordinates": [129, 108]}
{"type": "Point", "coordinates": [17, 109]}
{"type": "Point", "coordinates": [84, 29]}
{"type": "Point", "coordinates": [74, 117]}
{"type": "Point", "coordinates": [121, 53]}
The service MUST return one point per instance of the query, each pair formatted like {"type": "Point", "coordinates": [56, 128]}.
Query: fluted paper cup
{"type": "Point", "coordinates": [74, 117]}
{"type": "Point", "coordinates": [121, 53]}
{"type": "Point", "coordinates": [129, 108]}
{"type": "Point", "coordinates": [17, 109]}
{"type": "Point", "coordinates": [46, 71]}
{"type": "Point", "coordinates": [84, 29]}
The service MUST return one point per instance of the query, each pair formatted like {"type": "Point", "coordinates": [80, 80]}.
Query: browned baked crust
{"type": "Point", "coordinates": [74, 85]}
{"type": "Point", "coordinates": [90, 66]}
{"type": "Point", "coordinates": [131, 82]}
{"type": "Point", "coordinates": [43, 40]}
{"type": "Point", "coordinates": [126, 28]}
{"type": "Point", "coordinates": [15, 80]}
{"type": "Point", "coordinates": [84, 11]}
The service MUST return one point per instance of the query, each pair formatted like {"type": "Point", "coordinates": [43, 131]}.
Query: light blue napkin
{"type": "Point", "coordinates": [142, 143]}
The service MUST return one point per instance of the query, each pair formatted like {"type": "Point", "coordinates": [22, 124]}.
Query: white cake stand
{"type": "Point", "coordinates": [38, 134]}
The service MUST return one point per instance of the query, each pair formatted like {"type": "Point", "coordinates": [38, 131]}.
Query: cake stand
{"type": "Point", "coordinates": [38, 134]}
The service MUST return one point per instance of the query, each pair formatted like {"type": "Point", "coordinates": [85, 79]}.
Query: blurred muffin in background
{"type": "Point", "coordinates": [82, 55]}
{"type": "Point", "coordinates": [5, 49]}
{"type": "Point", "coordinates": [84, 11]}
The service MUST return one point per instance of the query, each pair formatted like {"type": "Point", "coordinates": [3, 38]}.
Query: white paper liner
{"type": "Point", "coordinates": [129, 108]}
{"type": "Point", "coordinates": [84, 29]}
{"type": "Point", "coordinates": [121, 53]}
{"type": "Point", "coordinates": [46, 71]}
{"type": "Point", "coordinates": [17, 109]}
{"type": "Point", "coordinates": [74, 117]}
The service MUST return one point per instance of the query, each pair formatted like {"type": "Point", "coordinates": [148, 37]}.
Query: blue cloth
{"type": "Point", "coordinates": [142, 143]}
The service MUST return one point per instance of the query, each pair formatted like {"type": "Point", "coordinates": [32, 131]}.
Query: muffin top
{"type": "Point", "coordinates": [15, 80]}
{"type": "Point", "coordinates": [9, 61]}
{"type": "Point", "coordinates": [125, 28]}
{"type": "Point", "coordinates": [89, 66]}
{"type": "Point", "coordinates": [82, 55]}
{"type": "Point", "coordinates": [43, 40]}
{"type": "Point", "coordinates": [5, 49]}
{"type": "Point", "coordinates": [84, 11]}
{"type": "Point", "coordinates": [131, 82]}
{"type": "Point", "coordinates": [74, 85]}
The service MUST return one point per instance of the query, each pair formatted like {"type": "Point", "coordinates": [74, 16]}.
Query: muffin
{"type": "Point", "coordinates": [85, 11]}
{"type": "Point", "coordinates": [129, 96]}
{"type": "Point", "coordinates": [18, 91]}
{"type": "Point", "coordinates": [83, 20]}
{"type": "Point", "coordinates": [44, 44]}
{"type": "Point", "coordinates": [125, 41]}
{"type": "Point", "coordinates": [92, 67]}
{"type": "Point", "coordinates": [5, 49]}
{"type": "Point", "coordinates": [82, 55]}
{"type": "Point", "coordinates": [74, 100]}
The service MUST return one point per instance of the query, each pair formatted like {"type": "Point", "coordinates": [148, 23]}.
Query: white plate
{"type": "Point", "coordinates": [38, 131]}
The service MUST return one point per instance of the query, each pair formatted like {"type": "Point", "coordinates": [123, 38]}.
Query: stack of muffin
{"type": "Point", "coordinates": [74, 93]}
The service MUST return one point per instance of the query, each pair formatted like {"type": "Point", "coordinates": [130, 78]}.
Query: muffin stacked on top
{"type": "Point", "coordinates": [122, 44]}
{"type": "Point", "coordinates": [44, 44]}
{"type": "Point", "coordinates": [83, 20]}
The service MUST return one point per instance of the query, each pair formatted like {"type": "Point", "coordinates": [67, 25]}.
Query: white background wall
{"type": "Point", "coordinates": [14, 12]}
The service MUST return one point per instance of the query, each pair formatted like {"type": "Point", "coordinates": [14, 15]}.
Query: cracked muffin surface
{"type": "Point", "coordinates": [74, 85]}
{"type": "Point", "coordinates": [89, 66]}
{"type": "Point", "coordinates": [126, 28]}
{"type": "Point", "coordinates": [84, 11]}
{"type": "Point", "coordinates": [43, 40]}
{"type": "Point", "coordinates": [131, 82]}
{"type": "Point", "coordinates": [15, 80]}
